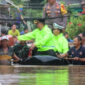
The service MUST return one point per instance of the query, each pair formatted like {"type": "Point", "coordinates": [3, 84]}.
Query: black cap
{"type": "Point", "coordinates": [39, 20]}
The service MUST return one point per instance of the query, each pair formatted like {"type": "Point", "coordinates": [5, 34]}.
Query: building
{"type": "Point", "coordinates": [4, 14]}
{"type": "Point", "coordinates": [4, 10]}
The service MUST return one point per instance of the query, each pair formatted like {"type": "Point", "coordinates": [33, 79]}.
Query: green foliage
{"type": "Point", "coordinates": [17, 2]}
{"type": "Point", "coordinates": [44, 2]}
{"type": "Point", "coordinates": [76, 25]}
{"type": "Point", "coordinates": [33, 13]}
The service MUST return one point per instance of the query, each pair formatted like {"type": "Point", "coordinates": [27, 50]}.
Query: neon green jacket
{"type": "Point", "coordinates": [43, 38]}
{"type": "Point", "coordinates": [61, 43]}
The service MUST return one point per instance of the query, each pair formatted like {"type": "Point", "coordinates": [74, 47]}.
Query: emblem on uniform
{"type": "Point", "coordinates": [72, 52]}
{"type": "Point", "coordinates": [80, 53]}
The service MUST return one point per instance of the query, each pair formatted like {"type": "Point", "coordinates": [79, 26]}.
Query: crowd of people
{"type": "Point", "coordinates": [47, 39]}
{"type": "Point", "coordinates": [41, 41]}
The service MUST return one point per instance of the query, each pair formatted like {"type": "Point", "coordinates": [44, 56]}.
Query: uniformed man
{"type": "Point", "coordinates": [43, 38]}
{"type": "Point", "coordinates": [77, 52]}
{"type": "Point", "coordinates": [52, 10]}
{"type": "Point", "coordinates": [61, 42]}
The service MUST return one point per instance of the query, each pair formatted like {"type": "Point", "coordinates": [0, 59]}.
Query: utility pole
{"type": "Point", "coordinates": [0, 29]}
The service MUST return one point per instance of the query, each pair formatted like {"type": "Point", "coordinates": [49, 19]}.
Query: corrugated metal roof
{"type": "Point", "coordinates": [3, 2]}
{"type": "Point", "coordinates": [70, 1]}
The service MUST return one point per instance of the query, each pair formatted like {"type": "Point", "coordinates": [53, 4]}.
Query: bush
{"type": "Point", "coordinates": [76, 25]}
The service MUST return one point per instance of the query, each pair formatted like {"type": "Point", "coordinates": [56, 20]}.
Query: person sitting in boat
{"type": "Point", "coordinates": [43, 38]}
{"type": "Point", "coordinates": [77, 52]}
{"type": "Point", "coordinates": [61, 42]}
{"type": "Point", "coordinates": [21, 50]}
{"type": "Point", "coordinates": [11, 40]}
{"type": "Point", "coordinates": [6, 52]}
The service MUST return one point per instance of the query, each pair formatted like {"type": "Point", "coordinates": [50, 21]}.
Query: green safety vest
{"type": "Point", "coordinates": [43, 38]}
{"type": "Point", "coordinates": [61, 43]}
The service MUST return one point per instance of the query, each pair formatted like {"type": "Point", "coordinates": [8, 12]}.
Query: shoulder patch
{"type": "Point", "coordinates": [57, 6]}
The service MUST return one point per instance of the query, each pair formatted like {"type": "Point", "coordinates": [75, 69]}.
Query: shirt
{"type": "Point", "coordinates": [21, 50]}
{"type": "Point", "coordinates": [22, 32]}
{"type": "Point", "coordinates": [77, 53]}
{"type": "Point", "coordinates": [16, 33]}
{"type": "Point", "coordinates": [5, 56]}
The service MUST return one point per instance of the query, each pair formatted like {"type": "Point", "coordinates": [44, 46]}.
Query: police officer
{"type": "Point", "coordinates": [43, 38]}
{"type": "Point", "coordinates": [61, 42]}
{"type": "Point", "coordinates": [52, 10]}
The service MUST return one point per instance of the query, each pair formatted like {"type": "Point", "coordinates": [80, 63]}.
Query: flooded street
{"type": "Point", "coordinates": [42, 75]}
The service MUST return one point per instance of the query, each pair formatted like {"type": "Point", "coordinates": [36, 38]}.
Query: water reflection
{"type": "Point", "coordinates": [77, 75]}
{"type": "Point", "coordinates": [42, 75]}
{"type": "Point", "coordinates": [33, 75]}
{"type": "Point", "coordinates": [46, 77]}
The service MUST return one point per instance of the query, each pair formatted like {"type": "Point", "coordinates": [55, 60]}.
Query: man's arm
{"type": "Point", "coordinates": [63, 55]}
{"type": "Point", "coordinates": [44, 12]}
{"type": "Point", "coordinates": [65, 46]}
{"type": "Point", "coordinates": [16, 59]}
{"type": "Point", "coordinates": [82, 59]}
{"type": "Point", "coordinates": [28, 36]}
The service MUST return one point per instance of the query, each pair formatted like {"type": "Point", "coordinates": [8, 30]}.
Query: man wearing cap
{"type": "Point", "coordinates": [43, 38]}
{"type": "Point", "coordinates": [52, 10]}
{"type": "Point", "coordinates": [6, 52]}
{"type": "Point", "coordinates": [60, 41]}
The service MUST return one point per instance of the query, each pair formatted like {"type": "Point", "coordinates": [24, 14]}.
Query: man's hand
{"type": "Point", "coordinates": [62, 55]}
{"type": "Point", "coordinates": [76, 58]}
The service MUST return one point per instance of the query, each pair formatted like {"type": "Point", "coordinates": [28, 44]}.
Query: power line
{"type": "Point", "coordinates": [30, 19]}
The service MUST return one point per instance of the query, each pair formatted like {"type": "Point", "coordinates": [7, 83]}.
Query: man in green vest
{"type": "Point", "coordinates": [60, 41]}
{"type": "Point", "coordinates": [43, 38]}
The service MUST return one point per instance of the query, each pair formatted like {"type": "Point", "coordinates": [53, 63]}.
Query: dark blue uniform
{"type": "Point", "coordinates": [77, 53]}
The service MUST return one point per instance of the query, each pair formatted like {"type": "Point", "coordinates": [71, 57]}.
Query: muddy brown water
{"type": "Point", "coordinates": [42, 75]}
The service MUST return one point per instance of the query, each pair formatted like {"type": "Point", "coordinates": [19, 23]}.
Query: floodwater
{"type": "Point", "coordinates": [42, 75]}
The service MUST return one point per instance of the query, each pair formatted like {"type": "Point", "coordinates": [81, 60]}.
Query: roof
{"type": "Point", "coordinates": [3, 2]}
{"type": "Point", "coordinates": [70, 1]}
